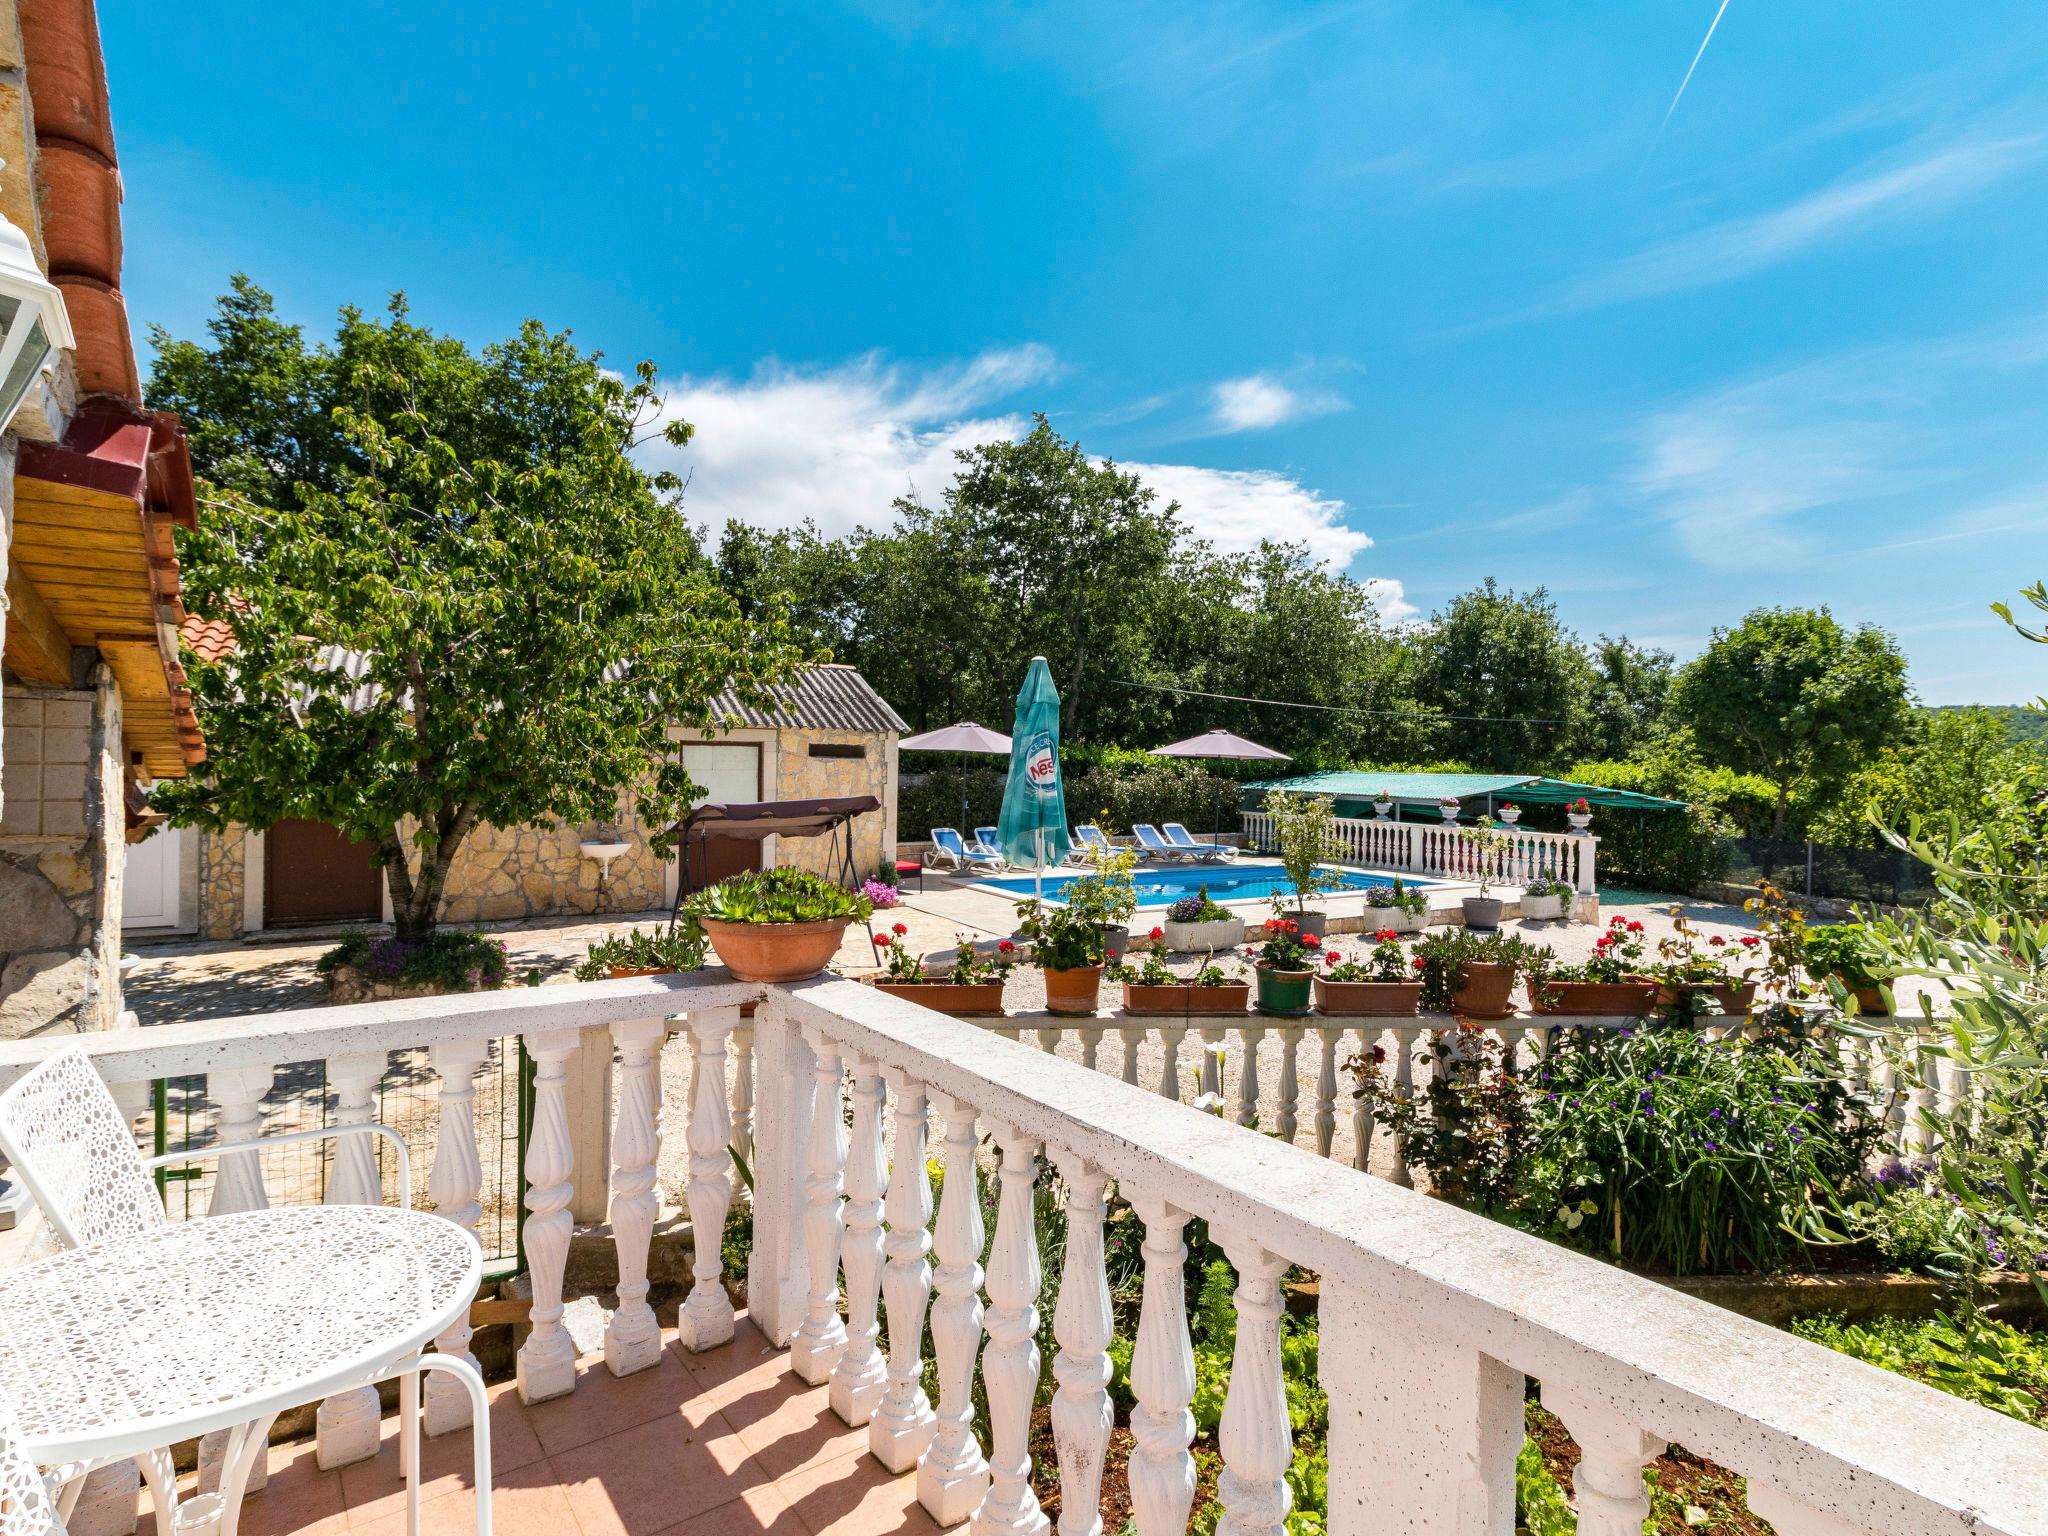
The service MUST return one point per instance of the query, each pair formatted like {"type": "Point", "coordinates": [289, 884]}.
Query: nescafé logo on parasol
{"type": "Point", "coordinates": [1041, 765]}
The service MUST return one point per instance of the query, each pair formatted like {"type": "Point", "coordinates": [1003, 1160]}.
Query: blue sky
{"type": "Point", "coordinates": [1437, 288]}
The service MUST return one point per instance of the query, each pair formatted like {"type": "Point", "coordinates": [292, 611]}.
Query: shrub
{"type": "Point", "coordinates": [1675, 1151]}
{"type": "Point", "coordinates": [1198, 908]}
{"type": "Point", "coordinates": [1845, 950]}
{"type": "Point", "coordinates": [1964, 1353]}
{"type": "Point", "coordinates": [448, 962]}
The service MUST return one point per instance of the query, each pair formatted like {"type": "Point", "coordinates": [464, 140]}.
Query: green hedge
{"type": "Point", "coordinates": [1111, 797]}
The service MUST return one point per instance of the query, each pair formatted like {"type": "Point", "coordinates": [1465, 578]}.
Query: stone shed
{"type": "Point", "coordinates": [828, 733]}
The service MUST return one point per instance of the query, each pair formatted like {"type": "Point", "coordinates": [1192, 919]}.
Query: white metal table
{"type": "Point", "coordinates": [120, 1348]}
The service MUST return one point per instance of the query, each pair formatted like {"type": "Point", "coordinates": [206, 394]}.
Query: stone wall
{"type": "Point", "coordinates": [509, 873]}
{"type": "Point", "coordinates": [799, 775]}
{"type": "Point", "coordinates": [222, 881]}
{"type": "Point", "coordinates": [61, 830]}
{"type": "Point", "coordinates": [512, 872]}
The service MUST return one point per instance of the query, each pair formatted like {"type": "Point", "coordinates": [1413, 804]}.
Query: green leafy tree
{"type": "Point", "coordinates": [1793, 696]}
{"type": "Point", "coordinates": [1964, 762]}
{"type": "Point", "coordinates": [1631, 688]}
{"type": "Point", "coordinates": [1510, 678]}
{"type": "Point", "coordinates": [1985, 940]}
{"type": "Point", "coordinates": [456, 599]}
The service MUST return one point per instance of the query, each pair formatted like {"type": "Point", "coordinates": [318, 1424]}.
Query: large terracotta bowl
{"type": "Point", "coordinates": [776, 951]}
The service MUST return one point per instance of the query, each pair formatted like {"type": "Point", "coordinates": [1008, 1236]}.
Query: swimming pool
{"type": "Point", "coordinates": [1163, 887]}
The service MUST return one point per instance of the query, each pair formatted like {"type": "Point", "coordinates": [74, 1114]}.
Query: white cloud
{"type": "Point", "coordinates": [1259, 401]}
{"type": "Point", "coordinates": [1875, 194]}
{"type": "Point", "coordinates": [838, 445]}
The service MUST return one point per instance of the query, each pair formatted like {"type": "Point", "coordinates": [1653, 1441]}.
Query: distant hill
{"type": "Point", "coordinates": [2028, 727]}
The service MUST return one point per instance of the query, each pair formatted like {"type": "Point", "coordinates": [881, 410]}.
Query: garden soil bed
{"type": "Point", "coordinates": [1686, 1487]}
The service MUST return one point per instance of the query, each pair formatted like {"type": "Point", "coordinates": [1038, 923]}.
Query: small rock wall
{"type": "Point", "coordinates": [222, 881]}
{"type": "Point", "coordinates": [512, 872]}
{"type": "Point", "coordinates": [799, 775]}
{"type": "Point", "coordinates": [60, 860]}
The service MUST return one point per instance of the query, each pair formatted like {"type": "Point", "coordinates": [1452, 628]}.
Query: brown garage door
{"type": "Point", "coordinates": [312, 874]}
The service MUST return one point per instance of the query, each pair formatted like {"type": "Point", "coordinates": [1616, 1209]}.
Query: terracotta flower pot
{"type": "Point", "coordinates": [1591, 999]}
{"type": "Point", "coordinates": [621, 972]}
{"type": "Point", "coordinates": [960, 999]}
{"type": "Point", "coordinates": [1285, 993]}
{"type": "Point", "coordinates": [1183, 999]}
{"type": "Point", "coordinates": [1728, 998]}
{"type": "Point", "coordinates": [1870, 1000]}
{"type": "Point", "coordinates": [775, 951]}
{"type": "Point", "coordinates": [1484, 990]}
{"type": "Point", "coordinates": [1073, 992]}
{"type": "Point", "coordinates": [1367, 999]}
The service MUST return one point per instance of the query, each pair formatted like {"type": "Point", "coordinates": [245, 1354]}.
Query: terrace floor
{"type": "Point", "coordinates": [727, 1443]}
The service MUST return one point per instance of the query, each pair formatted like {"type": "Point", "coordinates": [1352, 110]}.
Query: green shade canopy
{"type": "Point", "coordinates": [1362, 786]}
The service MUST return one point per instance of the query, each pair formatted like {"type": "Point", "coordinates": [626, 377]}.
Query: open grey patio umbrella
{"type": "Point", "coordinates": [1220, 745]}
{"type": "Point", "coordinates": [963, 737]}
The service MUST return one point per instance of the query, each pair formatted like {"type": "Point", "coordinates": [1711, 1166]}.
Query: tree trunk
{"type": "Point", "coordinates": [1778, 816]}
{"type": "Point", "coordinates": [416, 900]}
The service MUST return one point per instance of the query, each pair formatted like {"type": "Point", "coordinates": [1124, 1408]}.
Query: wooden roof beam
{"type": "Point", "coordinates": [38, 650]}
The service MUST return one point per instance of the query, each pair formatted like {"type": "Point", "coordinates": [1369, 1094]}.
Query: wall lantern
{"type": "Point", "coordinates": [32, 314]}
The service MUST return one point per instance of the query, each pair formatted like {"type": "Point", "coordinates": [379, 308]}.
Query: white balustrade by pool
{"type": "Point", "coordinates": [1437, 850]}
{"type": "Point", "coordinates": [1432, 1319]}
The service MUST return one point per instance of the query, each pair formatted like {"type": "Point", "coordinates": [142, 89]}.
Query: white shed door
{"type": "Point", "coordinates": [149, 880]}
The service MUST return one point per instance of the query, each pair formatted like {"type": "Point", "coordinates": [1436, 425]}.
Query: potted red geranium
{"type": "Point", "coordinates": [1615, 981]}
{"type": "Point", "coordinates": [1284, 964]}
{"type": "Point", "coordinates": [973, 986]}
{"type": "Point", "coordinates": [1154, 989]}
{"type": "Point", "coordinates": [1579, 814]}
{"type": "Point", "coordinates": [1381, 984]}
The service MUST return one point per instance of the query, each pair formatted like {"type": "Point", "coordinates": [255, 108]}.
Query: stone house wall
{"type": "Point", "coordinates": [799, 774]}
{"type": "Point", "coordinates": [62, 824]}
{"type": "Point", "coordinates": [510, 873]}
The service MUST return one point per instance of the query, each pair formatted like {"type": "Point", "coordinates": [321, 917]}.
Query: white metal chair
{"type": "Point", "coordinates": [1210, 853]}
{"type": "Point", "coordinates": [26, 1508]}
{"type": "Point", "coordinates": [75, 1152]}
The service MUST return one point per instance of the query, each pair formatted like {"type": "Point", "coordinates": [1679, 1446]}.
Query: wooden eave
{"type": "Point", "coordinates": [93, 563]}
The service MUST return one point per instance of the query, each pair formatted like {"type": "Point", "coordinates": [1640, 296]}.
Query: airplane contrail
{"type": "Point", "coordinates": [1695, 64]}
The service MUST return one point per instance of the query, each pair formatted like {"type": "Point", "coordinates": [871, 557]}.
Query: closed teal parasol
{"type": "Point", "coordinates": [1033, 828]}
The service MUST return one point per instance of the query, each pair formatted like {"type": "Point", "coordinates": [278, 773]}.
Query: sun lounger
{"type": "Point", "coordinates": [949, 850]}
{"type": "Point", "coordinates": [1209, 853]}
{"type": "Point", "coordinates": [1088, 842]}
{"type": "Point", "coordinates": [1156, 847]}
{"type": "Point", "coordinates": [988, 843]}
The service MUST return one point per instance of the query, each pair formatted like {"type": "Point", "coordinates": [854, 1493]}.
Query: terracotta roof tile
{"type": "Point", "coordinates": [208, 639]}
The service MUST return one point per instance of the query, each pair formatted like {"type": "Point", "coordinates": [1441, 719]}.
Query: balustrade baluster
{"type": "Point", "coordinates": [815, 1347]}
{"type": "Point", "coordinates": [903, 1421]}
{"type": "Point", "coordinates": [1254, 1435]}
{"type": "Point", "coordinates": [1009, 1363]}
{"type": "Point", "coordinates": [454, 1185]}
{"type": "Point", "coordinates": [1133, 1036]}
{"type": "Point", "coordinates": [238, 1180]}
{"type": "Point", "coordinates": [1407, 1037]}
{"type": "Point", "coordinates": [705, 1319]}
{"type": "Point", "coordinates": [953, 1476]}
{"type": "Point", "coordinates": [1091, 1043]}
{"type": "Point", "coordinates": [1248, 1075]}
{"type": "Point", "coordinates": [860, 1376]}
{"type": "Point", "coordinates": [632, 1338]}
{"type": "Point", "coordinates": [1081, 1321]}
{"type": "Point", "coordinates": [1209, 1078]}
{"type": "Point", "coordinates": [1327, 1036]}
{"type": "Point", "coordinates": [1608, 1481]}
{"type": "Point", "coordinates": [345, 1428]}
{"type": "Point", "coordinates": [743, 1090]}
{"type": "Point", "coordinates": [1170, 1037]}
{"type": "Point", "coordinates": [547, 1360]}
{"type": "Point", "coordinates": [237, 1186]}
{"type": "Point", "coordinates": [1361, 1106]}
{"type": "Point", "coordinates": [1286, 1121]}
{"type": "Point", "coordinates": [1162, 1471]}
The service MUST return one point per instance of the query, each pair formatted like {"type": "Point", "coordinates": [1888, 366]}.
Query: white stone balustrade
{"type": "Point", "coordinates": [705, 1320]}
{"type": "Point", "coordinates": [345, 1428]}
{"type": "Point", "coordinates": [1433, 849]}
{"type": "Point", "coordinates": [1433, 1319]}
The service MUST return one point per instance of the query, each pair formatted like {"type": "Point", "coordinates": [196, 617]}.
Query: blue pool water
{"type": "Point", "coordinates": [1163, 887]}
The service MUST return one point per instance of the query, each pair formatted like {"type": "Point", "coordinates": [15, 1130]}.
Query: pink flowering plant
{"type": "Point", "coordinates": [880, 894]}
